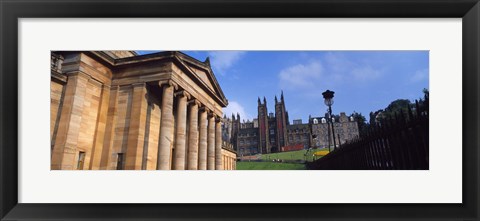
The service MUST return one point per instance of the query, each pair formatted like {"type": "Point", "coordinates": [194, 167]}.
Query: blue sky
{"type": "Point", "coordinates": [363, 81]}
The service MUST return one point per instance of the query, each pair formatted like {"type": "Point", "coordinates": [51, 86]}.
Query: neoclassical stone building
{"type": "Point", "coordinates": [117, 110]}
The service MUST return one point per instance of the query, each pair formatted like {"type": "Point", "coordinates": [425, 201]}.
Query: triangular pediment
{"type": "Point", "coordinates": [203, 73]}
{"type": "Point", "coordinates": [204, 77]}
{"type": "Point", "coordinates": [191, 70]}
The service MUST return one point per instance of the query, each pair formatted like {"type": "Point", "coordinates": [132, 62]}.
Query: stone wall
{"type": "Point", "coordinates": [56, 94]}
{"type": "Point", "coordinates": [229, 159]}
{"type": "Point", "coordinates": [88, 123]}
{"type": "Point", "coordinates": [135, 115]}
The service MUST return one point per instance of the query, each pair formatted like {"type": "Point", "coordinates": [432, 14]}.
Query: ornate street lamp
{"type": "Point", "coordinates": [328, 96]}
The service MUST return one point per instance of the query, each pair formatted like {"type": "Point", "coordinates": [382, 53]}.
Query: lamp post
{"type": "Point", "coordinates": [328, 96]}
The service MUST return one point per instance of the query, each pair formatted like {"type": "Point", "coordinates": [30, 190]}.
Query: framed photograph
{"type": "Point", "coordinates": [318, 110]}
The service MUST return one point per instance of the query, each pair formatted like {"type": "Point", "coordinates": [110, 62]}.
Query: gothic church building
{"type": "Point", "coordinates": [272, 132]}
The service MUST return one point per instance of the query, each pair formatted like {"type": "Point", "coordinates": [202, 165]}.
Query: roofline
{"type": "Point", "coordinates": [175, 55]}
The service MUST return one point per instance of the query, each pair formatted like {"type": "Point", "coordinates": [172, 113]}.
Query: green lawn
{"type": "Point", "coordinates": [269, 166]}
{"type": "Point", "coordinates": [292, 155]}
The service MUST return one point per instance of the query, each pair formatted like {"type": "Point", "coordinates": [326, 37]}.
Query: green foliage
{"type": "Point", "coordinates": [397, 106]}
{"type": "Point", "coordinates": [361, 121]}
{"type": "Point", "coordinates": [426, 93]}
{"type": "Point", "coordinates": [373, 116]}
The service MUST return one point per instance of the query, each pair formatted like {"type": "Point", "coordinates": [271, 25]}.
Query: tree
{"type": "Point", "coordinates": [426, 93]}
{"type": "Point", "coordinates": [373, 116]}
{"type": "Point", "coordinates": [423, 102]}
{"type": "Point", "coordinates": [397, 106]}
{"type": "Point", "coordinates": [361, 121]}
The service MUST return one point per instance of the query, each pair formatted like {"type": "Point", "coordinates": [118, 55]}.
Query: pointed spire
{"type": "Point", "coordinates": [233, 116]}
{"type": "Point", "coordinates": [281, 97]}
{"type": "Point", "coordinates": [276, 100]}
{"type": "Point", "coordinates": [207, 61]}
{"type": "Point", "coordinates": [264, 100]}
{"type": "Point", "coordinates": [259, 101]}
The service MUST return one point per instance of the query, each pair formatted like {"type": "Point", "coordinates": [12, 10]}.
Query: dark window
{"type": "Point", "coordinates": [81, 159]}
{"type": "Point", "coordinates": [120, 161]}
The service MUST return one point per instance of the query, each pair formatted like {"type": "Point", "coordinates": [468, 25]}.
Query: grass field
{"type": "Point", "coordinates": [269, 166]}
{"type": "Point", "coordinates": [292, 155]}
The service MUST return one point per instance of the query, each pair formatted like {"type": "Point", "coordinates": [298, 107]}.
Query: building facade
{"type": "Point", "coordinates": [299, 136]}
{"type": "Point", "coordinates": [346, 128]}
{"type": "Point", "coordinates": [272, 132]}
{"type": "Point", "coordinates": [118, 110]}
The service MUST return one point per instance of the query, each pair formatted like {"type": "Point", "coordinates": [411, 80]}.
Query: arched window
{"type": "Point", "coordinates": [333, 119]}
{"type": "Point", "coordinates": [315, 121]}
{"type": "Point", "coordinates": [324, 121]}
{"type": "Point", "coordinates": [351, 118]}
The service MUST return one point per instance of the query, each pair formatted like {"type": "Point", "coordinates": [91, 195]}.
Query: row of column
{"type": "Point", "coordinates": [229, 163]}
{"type": "Point", "coordinates": [203, 150]}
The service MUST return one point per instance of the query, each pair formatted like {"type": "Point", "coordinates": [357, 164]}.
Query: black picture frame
{"type": "Point", "coordinates": [12, 10]}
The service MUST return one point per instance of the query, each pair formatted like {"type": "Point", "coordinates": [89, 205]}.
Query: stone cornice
{"type": "Point", "coordinates": [169, 82]}
{"type": "Point", "coordinates": [194, 101]}
{"type": "Point", "coordinates": [182, 93]}
{"type": "Point", "coordinates": [175, 56]}
{"type": "Point", "coordinates": [79, 73]}
{"type": "Point", "coordinates": [184, 64]}
{"type": "Point", "coordinates": [58, 76]}
{"type": "Point", "coordinates": [139, 84]}
{"type": "Point", "coordinates": [229, 150]}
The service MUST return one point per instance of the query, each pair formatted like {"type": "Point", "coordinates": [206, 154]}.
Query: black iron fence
{"type": "Point", "coordinates": [398, 143]}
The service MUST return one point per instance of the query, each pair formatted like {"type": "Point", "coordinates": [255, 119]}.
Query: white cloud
{"type": "Point", "coordinates": [342, 68]}
{"type": "Point", "coordinates": [338, 62]}
{"type": "Point", "coordinates": [221, 61]}
{"type": "Point", "coordinates": [301, 75]}
{"type": "Point", "coordinates": [235, 107]}
{"type": "Point", "coordinates": [333, 70]}
{"type": "Point", "coordinates": [419, 75]}
{"type": "Point", "coordinates": [365, 73]}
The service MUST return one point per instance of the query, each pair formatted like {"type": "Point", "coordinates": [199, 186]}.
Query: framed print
{"type": "Point", "coordinates": [239, 110]}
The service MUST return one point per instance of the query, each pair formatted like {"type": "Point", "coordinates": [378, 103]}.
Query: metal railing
{"type": "Point", "coordinates": [398, 143]}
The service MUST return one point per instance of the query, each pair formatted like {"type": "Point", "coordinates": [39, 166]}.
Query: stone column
{"type": "Point", "coordinates": [211, 143]}
{"type": "Point", "coordinates": [65, 149]}
{"type": "Point", "coordinates": [136, 131]}
{"type": "Point", "coordinates": [181, 130]}
{"type": "Point", "coordinates": [193, 136]}
{"type": "Point", "coordinates": [101, 129]}
{"type": "Point", "coordinates": [202, 145]}
{"type": "Point", "coordinates": [224, 163]}
{"type": "Point", "coordinates": [218, 144]}
{"type": "Point", "coordinates": [228, 162]}
{"type": "Point", "coordinates": [166, 127]}
{"type": "Point", "coordinates": [105, 163]}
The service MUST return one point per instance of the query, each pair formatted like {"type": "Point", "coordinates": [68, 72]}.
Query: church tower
{"type": "Point", "coordinates": [235, 130]}
{"type": "Point", "coordinates": [281, 121]}
{"type": "Point", "coordinates": [264, 141]}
